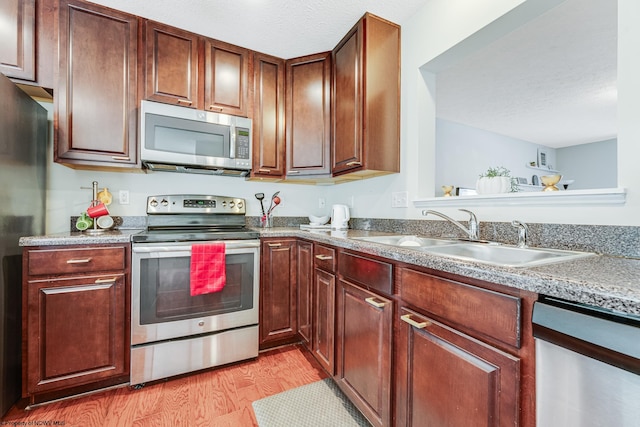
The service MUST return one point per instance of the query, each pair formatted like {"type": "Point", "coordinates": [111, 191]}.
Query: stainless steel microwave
{"type": "Point", "coordinates": [181, 139]}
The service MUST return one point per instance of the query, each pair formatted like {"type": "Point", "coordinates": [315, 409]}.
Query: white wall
{"type": "Point", "coordinates": [430, 33]}
{"type": "Point", "coordinates": [593, 165]}
{"type": "Point", "coordinates": [427, 39]}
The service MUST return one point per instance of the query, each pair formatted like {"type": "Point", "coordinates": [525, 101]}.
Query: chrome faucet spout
{"type": "Point", "coordinates": [523, 233]}
{"type": "Point", "coordinates": [471, 231]}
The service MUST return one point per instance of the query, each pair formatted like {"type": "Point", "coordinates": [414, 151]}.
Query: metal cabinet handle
{"type": "Point", "coordinates": [354, 164]}
{"type": "Point", "coordinates": [213, 107]}
{"type": "Point", "coordinates": [292, 172]}
{"type": "Point", "coordinates": [324, 257]}
{"type": "Point", "coordinates": [125, 158]}
{"type": "Point", "coordinates": [184, 101]}
{"type": "Point", "coordinates": [372, 301]}
{"type": "Point", "coordinates": [420, 325]}
{"type": "Point", "coordinates": [274, 245]}
{"type": "Point", "coordinates": [106, 280]}
{"type": "Point", "coordinates": [264, 170]}
{"type": "Point", "coordinates": [78, 261]}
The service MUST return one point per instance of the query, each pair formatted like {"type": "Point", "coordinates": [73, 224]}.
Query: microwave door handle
{"type": "Point", "coordinates": [232, 137]}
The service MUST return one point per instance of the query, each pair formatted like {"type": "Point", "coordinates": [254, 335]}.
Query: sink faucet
{"type": "Point", "coordinates": [471, 232]}
{"type": "Point", "coordinates": [523, 233]}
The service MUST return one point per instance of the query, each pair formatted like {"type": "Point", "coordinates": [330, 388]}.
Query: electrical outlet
{"type": "Point", "coordinates": [123, 197]}
{"type": "Point", "coordinates": [321, 202]}
{"type": "Point", "coordinates": [400, 199]}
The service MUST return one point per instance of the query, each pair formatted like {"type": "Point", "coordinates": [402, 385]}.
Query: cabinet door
{"type": "Point", "coordinates": [347, 103]}
{"type": "Point", "coordinates": [171, 65]}
{"type": "Point", "coordinates": [364, 350]}
{"type": "Point", "coordinates": [277, 291]}
{"type": "Point", "coordinates": [76, 331]}
{"type": "Point", "coordinates": [17, 32]}
{"type": "Point", "coordinates": [95, 102]}
{"type": "Point", "coordinates": [227, 78]}
{"type": "Point", "coordinates": [268, 117]}
{"type": "Point", "coordinates": [323, 319]}
{"type": "Point", "coordinates": [446, 378]}
{"type": "Point", "coordinates": [366, 99]}
{"type": "Point", "coordinates": [308, 118]}
{"type": "Point", "coordinates": [304, 291]}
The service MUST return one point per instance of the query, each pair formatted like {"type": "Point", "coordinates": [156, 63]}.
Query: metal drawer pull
{"type": "Point", "coordinates": [420, 325]}
{"type": "Point", "coordinates": [78, 261]}
{"type": "Point", "coordinates": [354, 164]}
{"type": "Point", "coordinates": [264, 170]}
{"type": "Point", "coordinates": [125, 158]}
{"type": "Point", "coordinates": [184, 101]}
{"type": "Point", "coordinates": [292, 172]}
{"type": "Point", "coordinates": [372, 301]}
{"type": "Point", "coordinates": [274, 245]}
{"type": "Point", "coordinates": [324, 257]}
{"type": "Point", "coordinates": [106, 280]}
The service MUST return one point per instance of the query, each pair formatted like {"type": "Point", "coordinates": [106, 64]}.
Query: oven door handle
{"type": "Point", "coordinates": [232, 244]}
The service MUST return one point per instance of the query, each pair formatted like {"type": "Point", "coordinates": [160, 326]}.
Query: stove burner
{"type": "Point", "coordinates": [185, 218]}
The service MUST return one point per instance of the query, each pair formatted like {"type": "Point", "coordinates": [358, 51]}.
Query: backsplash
{"type": "Point", "coordinates": [614, 240]}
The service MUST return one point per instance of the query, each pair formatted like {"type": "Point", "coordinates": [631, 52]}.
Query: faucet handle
{"type": "Point", "coordinates": [473, 224]}
{"type": "Point", "coordinates": [523, 233]}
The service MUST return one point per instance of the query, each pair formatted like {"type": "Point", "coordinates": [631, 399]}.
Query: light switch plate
{"type": "Point", "coordinates": [400, 199]}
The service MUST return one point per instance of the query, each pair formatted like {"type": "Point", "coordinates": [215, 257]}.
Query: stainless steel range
{"type": "Point", "coordinates": [173, 332]}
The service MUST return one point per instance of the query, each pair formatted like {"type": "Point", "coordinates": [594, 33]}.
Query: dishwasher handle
{"type": "Point", "coordinates": [608, 337]}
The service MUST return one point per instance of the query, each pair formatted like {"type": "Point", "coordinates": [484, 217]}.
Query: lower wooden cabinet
{"type": "Point", "coordinates": [447, 378]}
{"type": "Point", "coordinates": [76, 332]}
{"type": "Point", "coordinates": [76, 304]}
{"type": "Point", "coordinates": [305, 291]}
{"type": "Point", "coordinates": [364, 351]}
{"type": "Point", "coordinates": [278, 318]}
{"type": "Point", "coordinates": [322, 345]}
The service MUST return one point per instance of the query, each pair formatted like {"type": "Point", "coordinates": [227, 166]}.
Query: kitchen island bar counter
{"type": "Point", "coordinates": [609, 282]}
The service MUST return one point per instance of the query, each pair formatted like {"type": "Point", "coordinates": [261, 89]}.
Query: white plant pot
{"type": "Point", "coordinates": [493, 185]}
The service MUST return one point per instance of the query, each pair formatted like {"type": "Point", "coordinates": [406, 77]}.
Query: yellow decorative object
{"type": "Point", "coordinates": [550, 182]}
{"type": "Point", "coordinates": [105, 197]}
{"type": "Point", "coordinates": [447, 190]}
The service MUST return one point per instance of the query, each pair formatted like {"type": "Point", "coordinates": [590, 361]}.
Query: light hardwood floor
{"type": "Point", "coordinates": [217, 397]}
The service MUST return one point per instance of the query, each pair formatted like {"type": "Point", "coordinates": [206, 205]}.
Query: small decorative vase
{"type": "Point", "coordinates": [447, 189]}
{"type": "Point", "coordinates": [493, 185]}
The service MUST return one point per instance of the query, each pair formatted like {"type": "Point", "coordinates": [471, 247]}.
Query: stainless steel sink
{"type": "Point", "coordinates": [405, 240]}
{"type": "Point", "coordinates": [507, 256]}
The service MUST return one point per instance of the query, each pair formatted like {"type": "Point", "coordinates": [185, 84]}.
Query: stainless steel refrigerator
{"type": "Point", "coordinates": [23, 145]}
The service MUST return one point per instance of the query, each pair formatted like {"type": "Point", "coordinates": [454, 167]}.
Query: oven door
{"type": "Point", "coordinates": [162, 307]}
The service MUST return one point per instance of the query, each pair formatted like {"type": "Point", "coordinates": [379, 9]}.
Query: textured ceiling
{"type": "Point", "coordinates": [283, 28]}
{"type": "Point", "coordinates": [550, 82]}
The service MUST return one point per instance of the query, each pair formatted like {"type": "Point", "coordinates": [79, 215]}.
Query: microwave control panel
{"type": "Point", "coordinates": [243, 143]}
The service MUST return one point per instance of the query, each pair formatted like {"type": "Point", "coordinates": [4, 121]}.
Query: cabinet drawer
{"type": "Point", "coordinates": [485, 312]}
{"type": "Point", "coordinates": [371, 273]}
{"type": "Point", "coordinates": [64, 261]}
{"type": "Point", "coordinates": [324, 257]}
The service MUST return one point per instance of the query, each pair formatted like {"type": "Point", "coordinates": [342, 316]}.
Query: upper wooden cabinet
{"type": "Point", "coordinates": [366, 99]}
{"type": "Point", "coordinates": [268, 117]}
{"type": "Point", "coordinates": [18, 47]}
{"type": "Point", "coordinates": [227, 78]}
{"type": "Point", "coordinates": [96, 90]}
{"type": "Point", "coordinates": [308, 116]}
{"type": "Point", "coordinates": [28, 37]}
{"type": "Point", "coordinates": [192, 71]}
{"type": "Point", "coordinates": [171, 74]}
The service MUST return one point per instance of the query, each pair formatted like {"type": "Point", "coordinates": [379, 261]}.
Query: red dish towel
{"type": "Point", "coordinates": [208, 271]}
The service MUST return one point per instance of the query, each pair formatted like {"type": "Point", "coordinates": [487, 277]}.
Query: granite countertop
{"type": "Point", "coordinates": [81, 238]}
{"type": "Point", "coordinates": [603, 281]}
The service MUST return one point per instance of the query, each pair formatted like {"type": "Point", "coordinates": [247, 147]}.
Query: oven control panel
{"type": "Point", "coordinates": [190, 203]}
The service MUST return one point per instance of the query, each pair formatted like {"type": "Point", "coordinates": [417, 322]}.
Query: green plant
{"type": "Point", "coordinates": [501, 171]}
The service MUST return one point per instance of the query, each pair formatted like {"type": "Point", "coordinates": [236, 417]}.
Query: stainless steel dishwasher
{"type": "Point", "coordinates": [587, 366]}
